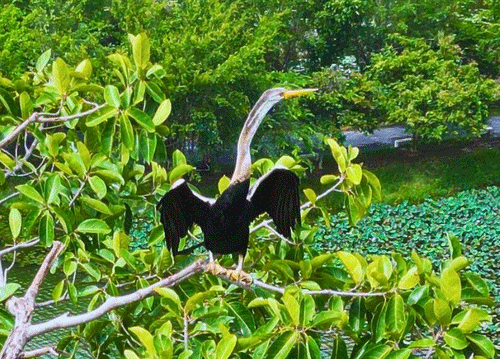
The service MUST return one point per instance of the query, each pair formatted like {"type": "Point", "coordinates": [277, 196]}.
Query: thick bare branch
{"type": "Point", "coordinates": [65, 320]}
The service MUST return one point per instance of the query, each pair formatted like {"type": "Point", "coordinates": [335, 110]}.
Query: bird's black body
{"type": "Point", "coordinates": [225, 223]}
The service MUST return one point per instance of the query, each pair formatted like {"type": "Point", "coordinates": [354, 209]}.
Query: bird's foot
{"type": "Point", "coordinates": [216, 269]}
{"type": "Point", "coordinates": [237, 275]}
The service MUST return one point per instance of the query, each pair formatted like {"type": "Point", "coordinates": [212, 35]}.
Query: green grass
{"type": "Point", "coordinates": [437, 176]}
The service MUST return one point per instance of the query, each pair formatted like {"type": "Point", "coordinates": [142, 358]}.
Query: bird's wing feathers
{"type": "Point", "coordinates": [277, 193]}
{"type": "Point", "coordinates": [179, 209]}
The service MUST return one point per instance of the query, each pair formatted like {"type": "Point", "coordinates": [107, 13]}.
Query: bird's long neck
{"type": "Point", "coordinates": [243, 158]}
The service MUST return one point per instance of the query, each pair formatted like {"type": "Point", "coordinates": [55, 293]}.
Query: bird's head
{"type": "Point", "coordinates": [277, 94]}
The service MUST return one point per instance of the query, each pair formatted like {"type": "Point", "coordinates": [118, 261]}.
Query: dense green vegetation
{"type": "Point", "coordinates": [218, 56]}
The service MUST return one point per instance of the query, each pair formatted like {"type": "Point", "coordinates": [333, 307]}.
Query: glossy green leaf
{"type": "Point", "coordinates": [395, 316]}
{"type": "Point", "coordinates": [399, 354]}
{"type": "Point", "coordinates": [60, 76]}
{"type": "Point", "coordinates": [30, 192]}
{"type": "Point", "coordinates": [328, 179]}
{"type": "Point", "coordinates": [127, 132]}
{"type": "Point", "coordinates": [93, 225]}
{"type": "Point", "coordinates": [451, 286]}
{"type": "Point", "coordinates": [142, 119]}
{"type": "Point", "coordinates": [52, 188]}
{"type": "Point", "coordinates": [354, 173]}
{"type": "Point", "coordinates": [178, 172]}
{"type": "Point", "coordinates": [454, 245]}
{"type": "Point", "coordinates": [282, 346]}
{"type": "Point", "coordinates": [58, 290]}
{"type": "Point", "coordinates": [112, 96]}
{"type": "Point", "coordinates": [410, 279]}
{"type": "Point", "coordinates": [25, 104]}
{"type": "Point", "coordinates": [7, 290]}
{"type": "Point", "coordinates": [98, 186]}
{"type": "Point", "coordinates": [352, 265]}
{"type": "Point", "coordinates": [225, 347]}
{"type": "Point", "coordinates": [162, 112]}
{"type": "Point", "coordinates": [120, 242]}
{"type": "Point", "coordinates": [292, 307]}
{"type": "Point", "coordinates": [15, 222]}
{"type": "Point", "coordinates": [43, 60]}
{"type": "Point", "coordinates": [223, 183]}
{"type": "Point", "coordinates": [455, 339]}
{"type": "Point", "coordinates": [339, 348]}
{"type": "Point", "coordinates": [129, 354]}
{"type": "Point", "coordinates": [46, 229]}
{"type": "Point", "coordinates": [242, 316]}
{"type": "Point", "coordinates": [482, 345]}
{"type": "Point", "coordinates": [101, 115]}
{"type": "Point", "coordinates": [96, 205]}
{"type": "Point", "coordinates": [310, 195]}
{"type": "Point", "coordinates": [145, 338]}
{"type": "Point", "coordinates": [442, 311]}
{"type": "Point", "coordinates": [140, 49]}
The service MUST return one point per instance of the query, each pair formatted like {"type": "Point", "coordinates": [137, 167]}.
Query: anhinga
{"type": "Point", "coordinates": [225, 221]}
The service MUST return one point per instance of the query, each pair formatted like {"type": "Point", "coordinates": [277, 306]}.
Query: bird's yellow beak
{"type": "Point", "coordinates": [295, 93]}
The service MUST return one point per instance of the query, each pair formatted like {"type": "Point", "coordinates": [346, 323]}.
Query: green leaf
{"type": "Point", "coordinates": [328, 179]}
{"type": "Point", "coordinates": [75, 162]}
{"type": "Point", "coordinates": [142, 119]}
{"type": "Point", "coordinates": [455, 339]}
{"type": "Point", "coordinates": [243, 317]}
{"type": "Point", "coordinates": [442, 311]}
{"type": "Point", "coordinates": [96, 205]}
{"type": "Point", "coordinates": [43, 60]}
{"type": "Point", "coordinates": [52, 188]}
{"type": "Point", "coordinates": [337, 154]}
{"type": "Point", "coordinates": [482, 344]}
{"type": "Point", "coordinates": [292, 307]}
{"type": "Point", "coordinates": [112, 96]}
{"type": "Point", "coordinates": [454, 245]}
{"type": "Point", "coordinates": [129, 354]}
{"type": "Point", "coordinates": [310, 195]}
{"type": "Point", "coordinates": [58, 290]}
{"type": "Point", "coordinates": [410, 279]}
{"type": "Point", "coordinates": [140, 49]}
{"type": "Point", "coordinates": [352, 265]}
{"type": "Point", "coordinates": [471, 320]}
{"type": "Point", "coordinates": [451, 286]}
{"type": "Point", "coordinates": [399, 354]}
{"type": "Point", "coordinates": [127, 132]}
{"type": "Point", "coordinates": [46, 229]}
{"type": "Point", "coordinates": [374, 184]}
{"type": "Point", "coordinates": [15, 222]}
{"type": "Point", "coordinates": [169, 294]}
{"type": "Point", "coordinates": [100, 116]}
{"type": "Point", "coordinates": [8, 290]}
{"type": "Point", "coordinates": [93, 225]}
{"type": "Point", "coordinates": [282, 346]}
{"type": "Point", "coordinates": [162, 112]}
{"type": "Point", "coordinates": [84, 68]}
{"type": "Point", "coordinates": [225, 347]}
{"type": "Point", "coordinates": [339, 348]}
{"type": "Point", "coordinates": [60, 75]}
{"type": "Point", "coordinates": [178, 158]}
{"type": "Point", "coordinates": [98, 186]}
{"type": "Point", "coordinates": [30, 192]}
{"type": "Point", "coordinates": [395, 316]}
{"type": "Point", "coordinates": [25, 104]}
{"type": "Point", "coordinates": [478, 283]}
{"type": "Point", "coordinates": [223, 183]}
{"type": "Point", "coordinates": [120, 242]}
{"type": "Point", "coordinates": [147, 145]}
{"type": "Point", "coordinates": [178, 172]}
{"type": "Point", "coordinates": [6, 160]}
{"type": "Point", "coordinates": [354, 173]}
{"type": "Point", "coordinates": [377, 351]}
{"type": "Point", "coordinates": [145, 338]}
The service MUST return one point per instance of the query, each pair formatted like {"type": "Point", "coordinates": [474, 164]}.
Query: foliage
{"type": "Point", "coordinates": [426, 89]}
{"type": "Point", "coordinates": [472, 216]}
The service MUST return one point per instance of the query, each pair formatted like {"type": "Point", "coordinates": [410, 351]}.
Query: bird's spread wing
{"type": "Point", "coordinates": [277, 193]}
{"type": "Point", "coordinates": [179, 209]}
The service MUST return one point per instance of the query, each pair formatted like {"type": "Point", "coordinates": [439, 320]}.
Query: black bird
{"type": "Point", "coordinates": [225, 221]}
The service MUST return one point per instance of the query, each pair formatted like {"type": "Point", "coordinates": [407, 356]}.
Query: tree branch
{"type": "Point", "coordinates": [44, 118]}
{"type": "Point", "coordinates": [30, 243]}
{"type": "Point", "coordinates": [65, 320]}
{"type": "Point", "coordinates": [39, 352]}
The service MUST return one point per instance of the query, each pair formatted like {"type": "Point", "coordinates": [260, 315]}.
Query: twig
{"type": "Point", "coordinates": [39, 352]}
{"type": "Point", "coordinates": [186, 334]}
{"type": "Point", "coordinates": [30, 243]}
{"type": "Point", "coordinates": [277, 234]}
{"type": "Point", "coordinates": [77, 193]}
{"type": "Point", "coordinates": [44, 118]}
{"type": "Point", "coordinates": [8, 197]}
